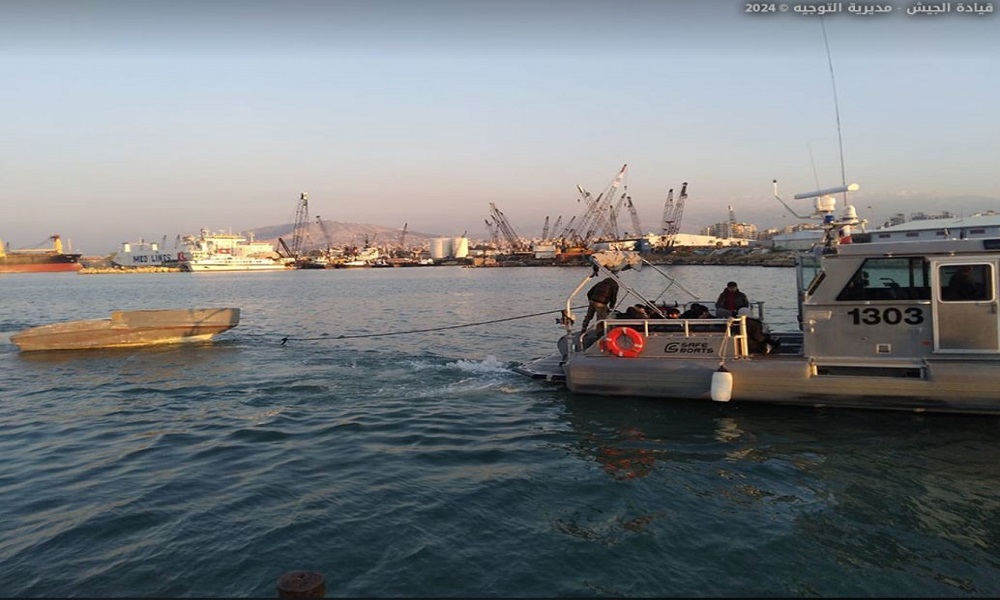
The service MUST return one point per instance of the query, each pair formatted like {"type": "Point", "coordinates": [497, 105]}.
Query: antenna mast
{"type": "Point", "coordinates": [836, 107]}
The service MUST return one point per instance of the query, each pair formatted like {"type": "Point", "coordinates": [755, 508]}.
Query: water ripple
{"type": "Point", "coordinates": [422, 466]}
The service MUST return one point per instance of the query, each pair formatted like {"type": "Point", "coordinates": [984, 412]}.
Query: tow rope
{"type": "Point", "coordinates": [286, 339]}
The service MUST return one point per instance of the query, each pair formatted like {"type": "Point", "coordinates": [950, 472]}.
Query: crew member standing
{"type": "Point", "coordinates": [602, 298]}
{"type": "Point", "coordinates": [730, 301]}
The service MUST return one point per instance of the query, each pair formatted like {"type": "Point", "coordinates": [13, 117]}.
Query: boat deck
{"type": "Point", "coordinates": [548, 368]}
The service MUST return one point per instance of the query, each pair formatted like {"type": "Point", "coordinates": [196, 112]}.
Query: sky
{"type": "Point", "coordinates": [124, 120]}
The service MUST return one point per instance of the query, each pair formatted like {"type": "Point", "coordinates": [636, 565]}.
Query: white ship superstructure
{"type": "Point", "coordinates": [144, 254]}
{"type": "Point", "coordinates": [219, 251]}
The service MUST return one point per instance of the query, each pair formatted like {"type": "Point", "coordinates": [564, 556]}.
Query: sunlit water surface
{"type": "Point", "coordinates": [421, 465]}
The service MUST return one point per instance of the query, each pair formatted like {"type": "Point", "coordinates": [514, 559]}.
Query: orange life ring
{"type": "Point", "coordinates": [613, 337]}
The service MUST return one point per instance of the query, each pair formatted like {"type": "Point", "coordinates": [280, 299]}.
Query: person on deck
{"type": "Point", "coordinates": [696, 311]}
{"type": "Point", "coordinates": [603, 297]}
{"type": "Point", "coordinates": [730, 301]}
{"type": "Point", "coordinates": [961, 286]}
{"type": "Point", "coordinates": [637, 311]}
{"type": "Point", "coordinates": [759, 341]}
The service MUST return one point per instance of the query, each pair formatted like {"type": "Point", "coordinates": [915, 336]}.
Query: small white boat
{"type": "Point", "coordinates": [132, 328]}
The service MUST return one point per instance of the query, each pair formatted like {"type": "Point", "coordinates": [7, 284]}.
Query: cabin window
{"type": "Point", "coordinates": [810, 274]}
{"type": "Point", "coordinates": [889, 279]}
{"type": "Point", "coordinates": [965, 283]}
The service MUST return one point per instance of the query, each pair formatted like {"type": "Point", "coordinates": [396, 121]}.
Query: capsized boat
{"type": "Point", "coordinates": [906, 325]}
{"type": "Point", "coordinates": [130, 328]}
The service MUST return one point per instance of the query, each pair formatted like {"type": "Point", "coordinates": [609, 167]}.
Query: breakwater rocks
{"type": "Point", "coordinates": [102, 265]}
{"type": "Point", "coordinates": [730, 257]}
{"type": "Point", "coordinates": [120, 270]}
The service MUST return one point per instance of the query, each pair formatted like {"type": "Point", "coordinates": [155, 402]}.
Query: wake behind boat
{"type": "Point", "coordinates": [127, 329]}
{"type": "Point", "coordinates": [910, 325]}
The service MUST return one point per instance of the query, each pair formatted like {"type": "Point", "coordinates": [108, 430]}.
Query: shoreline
{"type": "Point", "coordinates": [755, 258]}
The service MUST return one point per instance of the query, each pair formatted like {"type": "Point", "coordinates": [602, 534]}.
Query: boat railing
{"type": "Point", "coordinates": [733, 330]}
{"type": "Point", "coordinates": [756, 308]}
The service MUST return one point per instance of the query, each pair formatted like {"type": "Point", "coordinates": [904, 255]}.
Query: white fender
{"type": "Point", "coordinates": [722, 385]}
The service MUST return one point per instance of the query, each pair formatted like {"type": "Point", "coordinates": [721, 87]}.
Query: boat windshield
{"type": "Point", "coordinates": [809, 273]}
{"type": "Point", "coordinates": [889, 278]}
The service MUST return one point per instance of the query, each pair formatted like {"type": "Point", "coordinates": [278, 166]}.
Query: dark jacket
{"type": "Point", "coordinates": [697, 311]}
{"type": "Point", "coordinates": [604, 292]}
{"type": "Point", "coordinates": [732, 300]}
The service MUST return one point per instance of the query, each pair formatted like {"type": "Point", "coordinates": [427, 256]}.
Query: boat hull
{"type": "Point", "coordinates": [40, 263]}
{"type": "Point", "coordinates": [930, 385]}
{"type": "Point", "coordinates": [126, 329]}
{"type": "Point", "coordinates": [204, 267]}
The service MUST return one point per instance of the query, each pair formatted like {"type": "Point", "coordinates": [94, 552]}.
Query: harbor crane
{"type": "Point", "coordinates": [582, 234]}
{"type": "Point", "coordinates": [612, 231]}
{"type": "Point", "coordinates": [504, 227]}
{"type": "Point", "coordinates": [545, 229]}
{"type": "Point", "coordinates": [326, 235]}
{"type": "Point", "coordinates": [668, 212]}
{"type": "Point", "coordinates": [590, 210]}
{"type": "Point", "coordinates": [636, 225]}
{"type": "Point", "coordinates": [300, 231]}
{"type": "Point", "coordinates": [558, 222]}
{"type": "Point", "coordinates": [492, 230]}
{"type": "Point", "coordinates": [402, 237]}
{"type": "Point", "coordinates": [598, 217]}
{"type": "Point", "coordinates": [564, 235]}
{"type": "Point", "coordinates": [672, 214]}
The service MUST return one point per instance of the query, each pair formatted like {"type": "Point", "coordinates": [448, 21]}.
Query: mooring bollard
{"type": "Point", "coordinates": [301, 584]}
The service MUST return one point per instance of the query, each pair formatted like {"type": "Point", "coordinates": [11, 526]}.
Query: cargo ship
{"type": "Point", "coordinates": [39, 260]}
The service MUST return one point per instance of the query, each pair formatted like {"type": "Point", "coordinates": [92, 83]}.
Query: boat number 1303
{"type": "Point", "coordinates": [889, 316]}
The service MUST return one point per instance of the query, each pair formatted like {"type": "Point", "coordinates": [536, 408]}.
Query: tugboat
{"type": "Point", "coordinates": [903, 325]}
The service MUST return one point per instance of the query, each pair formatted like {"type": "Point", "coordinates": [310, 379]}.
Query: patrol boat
{"type": "Point", "coordinates": [904, 325]}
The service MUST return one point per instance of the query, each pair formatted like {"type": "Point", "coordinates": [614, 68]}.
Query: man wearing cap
{"type": "Point", "coordinates": [730, 301]}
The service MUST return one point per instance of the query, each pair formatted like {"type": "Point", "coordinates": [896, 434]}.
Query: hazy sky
{"type": "Point", "coordinates": [125, 119]}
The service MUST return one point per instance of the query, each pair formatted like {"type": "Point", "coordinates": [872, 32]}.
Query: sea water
{"type": "Point", "coordinates": [366, 424]}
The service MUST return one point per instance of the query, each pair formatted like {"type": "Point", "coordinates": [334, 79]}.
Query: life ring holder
{"type": "Point", "coordinates": [611, 342]}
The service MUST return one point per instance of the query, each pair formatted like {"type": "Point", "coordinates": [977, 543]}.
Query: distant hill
{"type": "Point", "coordinates": [342, 234]}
